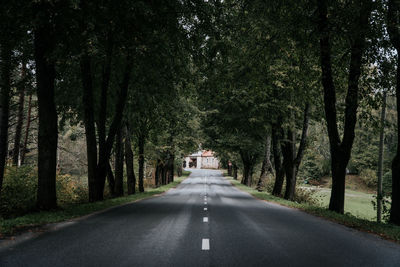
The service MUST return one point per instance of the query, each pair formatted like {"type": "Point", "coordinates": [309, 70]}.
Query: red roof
{"type": "Point", "coordinates": [207, 153]}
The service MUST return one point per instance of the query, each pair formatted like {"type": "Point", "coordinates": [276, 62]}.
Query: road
{"type": "Point", "coordinates": [203, 222]}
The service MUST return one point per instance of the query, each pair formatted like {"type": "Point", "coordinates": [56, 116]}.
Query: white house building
{"type": "Point", "coordinates": [203, 159]}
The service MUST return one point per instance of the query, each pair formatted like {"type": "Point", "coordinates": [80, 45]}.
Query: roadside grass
{"type": "Point", "coordinates": [357, 203]}
{"type": "Point", "coordinates": [385, 230]}
{"type": "Point", "coordinates": [8, 227]}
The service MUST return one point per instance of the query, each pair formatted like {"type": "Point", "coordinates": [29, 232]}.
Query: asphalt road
{"type": "Point", "coordinates": [203, 222]}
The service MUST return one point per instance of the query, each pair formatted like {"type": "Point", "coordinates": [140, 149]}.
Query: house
{"type": "Point", "coordinates": [203, 159]}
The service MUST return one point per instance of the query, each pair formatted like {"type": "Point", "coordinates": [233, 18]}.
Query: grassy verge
{"type": "Point", "coordinates": [387, 231]}
{"type": "Point", "coordinates": [32, 220]}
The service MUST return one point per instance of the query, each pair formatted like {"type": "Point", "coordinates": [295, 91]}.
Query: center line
{"type": "Point", "coordinates": [205, 202]}
{"type": "Point", "coordinates": [205, 244]}
{"type": "Point", "coordinates": [205, 208]}
{"type": "Point", "coordinates": [205, 219]}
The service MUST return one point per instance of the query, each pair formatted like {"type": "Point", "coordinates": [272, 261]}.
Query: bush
{"type": "Point", "coordinates": [18, 194]}
{"type": "Point", "coordinates": [305, 195]}
{"type": "Point", "coordinates": [387, 183]}
{"type": "Point", "coordinates": [70, 190]}
{"type": "Point", "coordinates": [369, 177]}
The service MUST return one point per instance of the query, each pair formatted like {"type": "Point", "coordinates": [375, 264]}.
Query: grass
{"type": "Point", "coordinates": [387, 231]}
{"type": "Point", "coordinates": [9, 227]}
{"type": "Point", "coordinates": [357, 203]}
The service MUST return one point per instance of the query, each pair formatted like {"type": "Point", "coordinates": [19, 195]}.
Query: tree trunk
{"type": "Point", "coordinates": [279, 171]}
{"type": "Point", "coordinates": [20, 116]}
{"type": "Point", "coordinates": [229, 168]}
{"type": "Point", "coordinates": [266, 164]}
{"type": "Point", "coordinates": [248, 168]}
{"type": "Point", "coordinates": [111, 180]}
{"type": "Point", "coordinates": [130, 173]}
{"type": "Point", "coordinates": [44, 44]}
{"type": "Point", "coordinates": [119, 165]}
{"type": "Point", "coordinates": [89, 123]}
{"type": "Point", "coordinates": [164, 174]}
{"type": "Point", "coordinates": [341, 150]}
{"type": "Point", "coordinates": [27, 128]}
{"type": "Point", "coordinates": [235, 171]}
{"type": "Point", "coordinates": [395, 207]}
{"type": "Point", "coordinates": [141, 143]}
{"type": "Point", "coordinates": [288, 151]}
{"type": "Point", "coordinates": [104, 154]}
{"type": "Point", "coordinates": [5, 64]}
{"type": "Point", "coordinates": [171, 169]}
{"type": "Point", "coordinates": [394, 34]}
{"type": "Point", "coordinates": [292, 161]}
{"type": "Point", "coordinates": [380, 160]}
{"type": "Point", "coordinates": [157, 174]}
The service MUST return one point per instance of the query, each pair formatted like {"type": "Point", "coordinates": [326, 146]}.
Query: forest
{"type": "Point", "coordinates": [103, 99]}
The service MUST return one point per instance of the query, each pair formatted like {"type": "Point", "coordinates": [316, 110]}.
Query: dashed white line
{"type": "Point", "coordinates": [205, 219]}
{"type": "Point", "coordinates": [205, 202]}
{"type": "Point", "coordinates": [205, 208]}
{"type": "Point", "coordinates": [205, 244]}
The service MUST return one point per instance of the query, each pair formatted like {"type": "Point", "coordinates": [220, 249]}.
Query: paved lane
{"type": "Point", "coordinates": [203, 222]}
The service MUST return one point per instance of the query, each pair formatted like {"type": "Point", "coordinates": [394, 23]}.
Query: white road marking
{"type": "Point", "coordinates": [205, 219]}
{"type": "Point", "coordinates": [205, 244]}
{"type": "Point", "coordinates": [205, 202]}
{"type": "Point", "coordinates": [205, 208]}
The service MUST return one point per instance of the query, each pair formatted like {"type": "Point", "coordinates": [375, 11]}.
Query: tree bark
{"type": "Point", "coordinates": [88, 105]}
{"type": "Point", "coordinates": [235, 171]}
{"type": "Point", "coordinates": [266, 164]}
{"type": "Point", "coordinates": [229, 168]}
{"type": "Point", "coordinates": [119, 165]}
{"type": "Point", "coordinates": [380, 160]}
{"type": "Point", "coordinates": [291, 161]}
{"type": "Point", "coordinates": [248, 168]}
{"type": "Point", "coordinates": [44, 45]}
{"type": "Point", "coordinates": [279, 171]}
{"type": "Point", "coordinates": [20, 116]}
{"type": "Point", "coordinates": [115, 124]}
{"type": "Point", "coordinates": [141, 143]}
{"type": "Point", "coordinates": [111, 180]}
{"type": "Point", "coordinates": [341, 149]}
{"type": "Point", "coordinates": [5, 65]}
{"type": "Point", "coordinates": [157, 174]}
{"type": "Point", "coordinates": [394, 34]}
{"type": "Point", "coordinates": [130, 173]}
{"type": "Point", "coordinates": [27, 128]}
{"type": "Point", "coordinates": [288, 151]}
{"type": "Point", "coordinates": [89, 123]}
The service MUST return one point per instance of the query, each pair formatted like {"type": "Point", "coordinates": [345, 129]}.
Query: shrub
{"type": "Point", "coordinates": [305, 195]}
{"type": "Point", "coordinates": [387, 183]}
{"type": "Point", "coordinates": [18, 194]}
{"type": "Point", "coordinates": [70, 190]}
{"type": "Point", "coordinates": [368, 176]}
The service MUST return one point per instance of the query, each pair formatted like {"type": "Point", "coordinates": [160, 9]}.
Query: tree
{"type": "Point", "coordinates": [341, 148]}
{"type": "Point", "coordinates": [44, 46]}
{"type": "Point", "coordinates": [394, 33]}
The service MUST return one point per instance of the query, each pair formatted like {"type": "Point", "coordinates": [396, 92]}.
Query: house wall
{"type": "Point", "coordinates": [209, 163]}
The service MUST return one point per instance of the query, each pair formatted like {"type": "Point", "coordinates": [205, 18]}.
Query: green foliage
{"type": "Point", "coordinates": [369, 177]}
{"type": "Point", "coordinates": [70, 190]}
{"type": "Point", "coordinates": [18, 195]}
{"type": "Point", "coordinates": [387, 183]}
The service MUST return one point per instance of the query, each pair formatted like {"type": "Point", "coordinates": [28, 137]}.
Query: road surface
{"type": "Point", "coordinates": [203, 222]}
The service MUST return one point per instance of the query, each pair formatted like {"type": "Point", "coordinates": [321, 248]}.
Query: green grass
{"type": "Point", "coordinates": [388, 231]}
{"type": "Point", "coordinates": [11, 226]}
{"type": "Point", "coordinates": [357, 203]}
